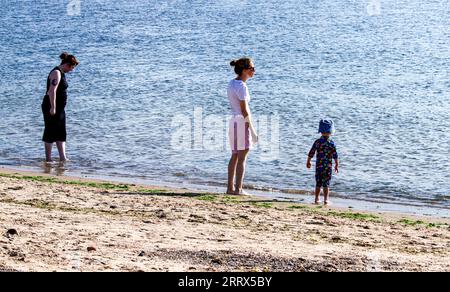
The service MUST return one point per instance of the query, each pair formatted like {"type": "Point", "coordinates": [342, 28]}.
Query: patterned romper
{"type": "Point", "coordinates": [326, 152]}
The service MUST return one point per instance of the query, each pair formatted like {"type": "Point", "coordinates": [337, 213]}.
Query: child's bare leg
{"type": "Point", "coordinates": [317, 194]}
{"type": "Point", "coordinates": [326, 192]}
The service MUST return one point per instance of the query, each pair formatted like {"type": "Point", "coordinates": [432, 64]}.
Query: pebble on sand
{"type": "Point", "coordinates": [12, 232]}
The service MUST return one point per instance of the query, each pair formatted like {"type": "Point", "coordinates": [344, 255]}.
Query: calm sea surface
{"type": "Point", "coordinates": [154, 73]}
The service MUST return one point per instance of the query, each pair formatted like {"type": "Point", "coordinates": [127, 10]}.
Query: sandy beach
{"type": "Point", "coordinates": [65, 224]}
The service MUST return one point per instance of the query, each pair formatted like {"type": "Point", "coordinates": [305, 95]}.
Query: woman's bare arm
{"type": "Point", "coordinates": [246, 113]}
{"type": "Point", "coordinates": [55, 78]}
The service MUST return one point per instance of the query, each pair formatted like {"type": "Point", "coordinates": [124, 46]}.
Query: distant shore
{"type": "Point", "coordinates": [52, 223]}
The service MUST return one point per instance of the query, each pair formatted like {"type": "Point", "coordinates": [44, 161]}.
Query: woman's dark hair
{"type": "Point", "coordinates": [68, 59]}
{"type": "Point", "coordinates": [241, 64]}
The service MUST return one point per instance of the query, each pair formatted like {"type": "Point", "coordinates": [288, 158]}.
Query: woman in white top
{"type": "Point", "coordinates": [241, 126]}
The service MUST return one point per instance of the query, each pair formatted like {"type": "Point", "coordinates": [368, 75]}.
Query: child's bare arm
{"type": "Point", "coordinates": [308, 163]}
{"type": "Point", "coordinates": [311, 154]}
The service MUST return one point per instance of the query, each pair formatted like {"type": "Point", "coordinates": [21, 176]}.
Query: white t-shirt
{"type": "Point", "coordinates": [237, 91]}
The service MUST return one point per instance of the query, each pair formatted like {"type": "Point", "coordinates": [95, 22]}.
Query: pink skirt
{"type": "Point", "coordinates": [239, 134]}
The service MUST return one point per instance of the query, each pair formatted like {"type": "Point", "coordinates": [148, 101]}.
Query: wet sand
{"type": "Point", "coordinates": [69, 224]}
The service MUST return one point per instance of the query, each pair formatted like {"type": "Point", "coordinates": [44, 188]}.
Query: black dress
{"type": "Point", "coordinates": [55, 126]}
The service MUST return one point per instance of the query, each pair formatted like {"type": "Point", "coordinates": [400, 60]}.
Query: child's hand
{"type": "Point", "coordinates": [308, 164]}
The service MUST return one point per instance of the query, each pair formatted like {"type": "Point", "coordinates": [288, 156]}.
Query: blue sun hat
{"type": "Point", "coordinates": [326, 126]}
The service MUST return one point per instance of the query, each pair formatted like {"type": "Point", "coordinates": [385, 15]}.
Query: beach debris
{"type": "Point", "coordinates": [196, 219]}
{"type": "Point", "coordinates": [219, 239]}
{"type": "Point", "coordinates": [161, 214]}
{"type": "Point", "coordinates": [12, 232]}
{"type": "Point", "coordinates": [331, 267]}
{"type": "Point", "coordinates": [142, 253]}
{"type": "Point", "coordinates": [91, 249]}
{"type": "Point", "coordinates": [216, 260]}
{"type": "Point", "coordinates": [315, 222]}
{"type": "Point", "coordinates": [20, 256]}
{"type": "Point", "coordinates": [113, 207]}
{"type": "Point", "coordinates": [19, 188]}
{"type": "Point", "coordinates": [336, 239]}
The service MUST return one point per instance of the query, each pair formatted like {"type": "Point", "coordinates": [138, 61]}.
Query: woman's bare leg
{"type": "Point", "coordinates": [232, 173]}
{"type": "Point", "coordinates": [240, 170]}
{"type": "Point", "coordinates": [62, 151]}
{"type": "Point", "coordinates": [48, 152]}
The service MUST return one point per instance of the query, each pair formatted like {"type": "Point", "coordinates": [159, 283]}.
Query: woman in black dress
{"type": "Point", "coordinates": [53, 107]}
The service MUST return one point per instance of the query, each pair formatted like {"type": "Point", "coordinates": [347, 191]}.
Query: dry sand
{"type": "Point", "coordinates": [131, 228]}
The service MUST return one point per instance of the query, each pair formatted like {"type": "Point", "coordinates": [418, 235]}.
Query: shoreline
{"type": "Point", "coordinates": [337, 202]}
{"type": "Point", "coordinates": [53, 223]}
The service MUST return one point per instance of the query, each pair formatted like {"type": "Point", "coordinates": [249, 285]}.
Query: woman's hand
{"type": "Point", "coordinates": [255, 138]}
{"type": "Point", "coordinates": [308, 164]}
{"type": "Point", "coordinates": [52, 111]}
{"type": "Point", "coordinates": [336, 169]}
